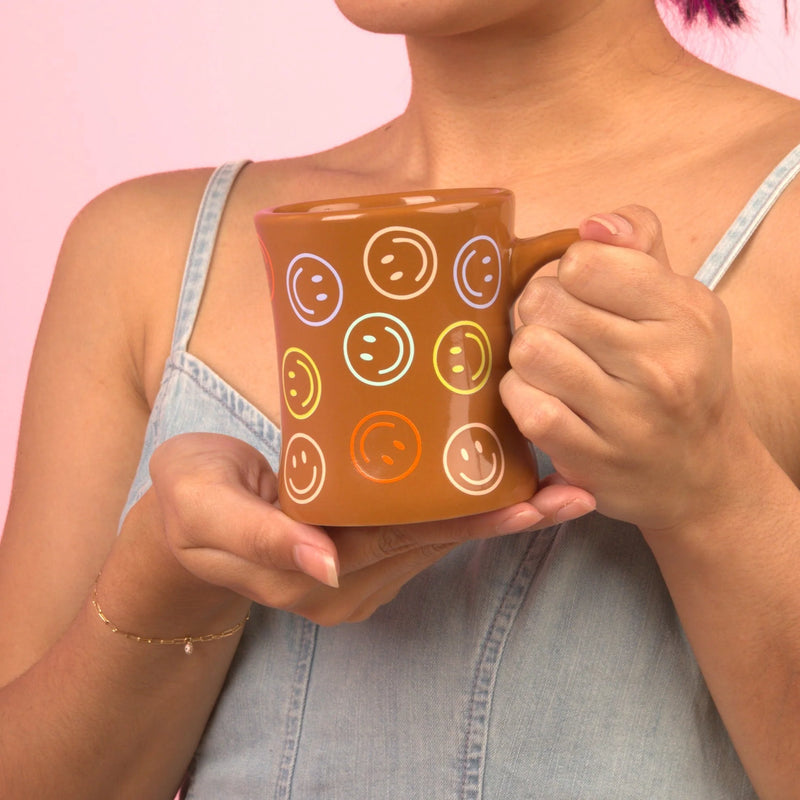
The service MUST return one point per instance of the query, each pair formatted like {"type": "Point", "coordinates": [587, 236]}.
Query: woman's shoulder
{"type": "Point", "coordinates": [139, 230]}
{"type": "Point", "coordinates": [134, 225]}
{"type": "Point", "coordinates": [155, 209]}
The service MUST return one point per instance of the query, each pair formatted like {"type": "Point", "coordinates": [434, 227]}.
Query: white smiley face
{"type": "Point", "coordinates": [477, 272]}
{"type": "Point", "coordinates": [315, 289]}
{"type": "Point", "coordinates": [304, 469]}
{"type": "Point", "coordinates": [473, 459]}
{"type": "Point", "coordinates": [400, 262]}
{"type": "Point", "coordinates": [378, 349]}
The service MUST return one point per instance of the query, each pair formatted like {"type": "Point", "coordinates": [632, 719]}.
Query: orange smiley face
{"type": "Point", "coordinates": [385, 447]}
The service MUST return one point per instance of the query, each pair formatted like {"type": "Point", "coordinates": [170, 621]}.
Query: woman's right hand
{"type": "Point", "coordinates": [217, 502]}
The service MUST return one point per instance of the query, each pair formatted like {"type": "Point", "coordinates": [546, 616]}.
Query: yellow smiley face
{"type": "Point", "coordinates": [302, 385]}
{"type": "Point", "coordinates": [462, 357]}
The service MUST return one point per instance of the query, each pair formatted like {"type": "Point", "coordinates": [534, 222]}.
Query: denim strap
{"type": "Point", "coordinates": [201, 250]}
{"type": "Point", "coordinates": [746, 224]}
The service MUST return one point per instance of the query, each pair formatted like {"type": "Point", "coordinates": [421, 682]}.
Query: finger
{"type": "Point", "coordinates": [627, 283]}
{"type": "Point", "coordinates": [627, 273]}
{"type": "Point", "coordinates": [605, 337]}
{"type": "Point", "coordinates": [380, 583]}
{"type": "Point", "coordinates": [359, 548]}
{"type": "Point", "coordinates": [233, 520]}
{"type": "Point", "coordinates": [556, 500]}
{"type": "Point", "coordinates": [549, 361]}
{"type": "Point", "coordinates": [387, 592]}
{"type": "Point", "coordinates": [560, 501]}
{"type": "Point", "coordinates": [547, 421]}
{"type": "Point", "coordinates": [362, 591]}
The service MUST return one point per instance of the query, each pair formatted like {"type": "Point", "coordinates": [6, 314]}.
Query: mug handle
{"type": "Point", "coordinates": [529, 255]}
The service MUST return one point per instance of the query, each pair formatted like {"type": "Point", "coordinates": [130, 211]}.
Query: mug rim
{"type": "Point", "coordinates": [400, 202]}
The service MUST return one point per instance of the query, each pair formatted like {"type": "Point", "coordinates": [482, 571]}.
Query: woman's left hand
{"type": "Point", "coordinates": [621, 371]}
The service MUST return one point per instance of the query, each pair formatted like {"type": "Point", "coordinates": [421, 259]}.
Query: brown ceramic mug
{"type": "Point", "coordinates": [392, 326]}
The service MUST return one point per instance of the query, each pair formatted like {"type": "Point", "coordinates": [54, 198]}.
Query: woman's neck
{"type": "Point", "coordinates": [576, 83]}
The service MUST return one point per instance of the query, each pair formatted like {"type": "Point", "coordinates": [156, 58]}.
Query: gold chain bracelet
{"type": "Point", "coordinates": [188, 642]}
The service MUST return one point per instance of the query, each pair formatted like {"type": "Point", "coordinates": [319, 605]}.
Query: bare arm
{"type": "Point", "coordinates": [82, 428]}
{"type": "Point", "coordinates": [733, 576]}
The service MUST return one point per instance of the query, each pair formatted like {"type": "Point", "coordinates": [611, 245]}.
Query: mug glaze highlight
{"type": "Point", "coordinates": [392, 324]}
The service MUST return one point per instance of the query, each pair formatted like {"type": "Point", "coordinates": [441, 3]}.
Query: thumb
{"type": "Point", "coordinates": [635, 227]}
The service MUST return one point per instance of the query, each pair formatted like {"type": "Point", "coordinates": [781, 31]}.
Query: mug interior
{"type": "Point", "coordinates": [427, 199]}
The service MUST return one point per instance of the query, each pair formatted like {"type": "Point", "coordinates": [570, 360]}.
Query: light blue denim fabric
{"type": "Point", "coordinates": [543, 665]}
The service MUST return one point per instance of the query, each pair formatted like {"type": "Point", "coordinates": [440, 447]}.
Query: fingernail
{"type": "Point", "coordinates": [613, 223]}
{"type": "Point", "coordinates": [573, 510]}
{"type": "Point", "coordinates": [317, 563]}
{"type": "Point", "coordinates": [520, 521]}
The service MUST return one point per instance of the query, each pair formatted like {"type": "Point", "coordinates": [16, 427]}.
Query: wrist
{"type": "Point", "coordinates": [749, 488]}
{"type": "Point", "coordinates": [145, 589]}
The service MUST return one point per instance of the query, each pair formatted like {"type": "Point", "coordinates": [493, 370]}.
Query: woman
{"type": "Point", "coordinates": [649, 649]}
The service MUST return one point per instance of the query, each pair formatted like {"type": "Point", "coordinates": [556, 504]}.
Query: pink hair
{"type": "Point", "coordinates": [730, 12]}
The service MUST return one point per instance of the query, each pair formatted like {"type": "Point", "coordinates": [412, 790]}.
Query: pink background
{"type": "Point", "coordinates": [94, 92]}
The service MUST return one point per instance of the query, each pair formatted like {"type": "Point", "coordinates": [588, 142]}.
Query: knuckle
{"type": "Point", "coordinates": [647, 224]}
{"type": "Point", "coordinates": [337, 611]}
{"type": "Point", "coordinates": [187, 501]}
{"type": "Point", "coordinates": [578, 265]}
{"type": "Point", "coordinates": [531, 343]}
{"type": "Point", "coordinates": [542, 418]}
{"type": "Point", "coordinates": [523, 349]}
{"type": "Point", "coordinates": [392, 540]}
{"type": "Point", "coordinates": [366, 610]}
{"type": "Point", "coordinates": [430, 553]}
{"type": "Point", "coordinates": [538, 298]}
{"type": "Point", "coordinates": [261, 546]}
{"type": "Point", "coordinates": [712, 316]}
{"type": "Point", "coordinates": [674, 382]}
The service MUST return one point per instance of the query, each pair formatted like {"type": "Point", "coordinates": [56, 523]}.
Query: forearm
{"type": "Point", "coordinates": [734, 580]}
{"type": "Point", "coordinates": [103, 716]}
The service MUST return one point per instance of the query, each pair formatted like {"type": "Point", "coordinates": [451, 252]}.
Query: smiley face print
{"type": "Point", "coordinates": [378, 349]}
{"type": "Point", "coordinates": [400, 262]}
{"type": "Point", "coordinates": [303, 469]}
{"type": "Point", "coordinates": [302, 385]}
{"type": "Point", "coordinates": [385, 447]}
{"type": "Point", "coordinates": [477, 272]}
{"type": "Point", "coordinates": [462, 357]}
{"type": "Point", "coordinates": [473, 459]}
{"type": "Point", "coordinates": [315, 289]}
